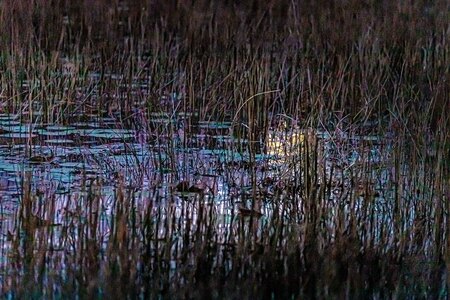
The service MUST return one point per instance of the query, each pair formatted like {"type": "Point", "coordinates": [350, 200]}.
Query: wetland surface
{"type": "Point", "coordinates": [224, 150]}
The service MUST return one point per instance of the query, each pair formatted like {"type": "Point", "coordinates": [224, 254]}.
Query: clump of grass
{"type": "Point", "coordinates": [338, 213]}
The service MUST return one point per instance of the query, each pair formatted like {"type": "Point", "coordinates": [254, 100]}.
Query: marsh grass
{"type": "Point", "coordinates": [305, 224]}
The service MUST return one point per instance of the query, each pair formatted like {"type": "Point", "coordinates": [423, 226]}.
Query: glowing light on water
{"type": "Point", "coordinates": [282, 144]}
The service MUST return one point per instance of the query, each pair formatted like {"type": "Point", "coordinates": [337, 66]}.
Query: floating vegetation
{"type": "Point", "coordinates": [59, 142]}
{"type": "Point", "coordinates": [60, 128]}
{"type": "Point", "coordinates": [19, 129]}
{"type": "Point", "coordinates": [214, 125]}
{"type": "Point", "coordinates": [18, 135]}
{"type": "Point", "coordinates": [120, 134]}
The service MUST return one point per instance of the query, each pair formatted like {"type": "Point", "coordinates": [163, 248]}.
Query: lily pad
{"type": "Point", "coordinates": [17, 128]}
{"type": "Point", "coordinates": [121, 134]}
{"type": "Point", "coordinates": [214, 125]}
{"type": "Point", "coordinates": [60, 128]}
{"type": "Point", "coordinates": [59, 141]}
{"type": "Point", "coordinates": [17, 135]}
{"type": "Point", "coordinates": [53, 133]}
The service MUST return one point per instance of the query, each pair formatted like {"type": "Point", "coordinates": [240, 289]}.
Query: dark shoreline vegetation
{"type": "Point", "coordinates": [224, 149]}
